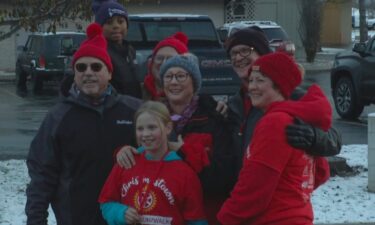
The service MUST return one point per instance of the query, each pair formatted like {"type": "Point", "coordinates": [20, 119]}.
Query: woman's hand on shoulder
{"type": "Point", "coordinates": [125, 157]}
{"type": "Point", "coordinates": [222, 108]}
{"type": "Point", "coordinates": [176, 145]}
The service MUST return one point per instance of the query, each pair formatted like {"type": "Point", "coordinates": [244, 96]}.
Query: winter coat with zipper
{"type": "Point", "coordinates": [276, 181]}
{"type": "Point", "coordinates": [206, 130]}
{"type": "Point", "coordinates": [72, 154]}
{"type": "Point", "coordinates": [124, 75]}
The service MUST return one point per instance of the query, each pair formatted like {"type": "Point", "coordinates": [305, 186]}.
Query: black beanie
{"type": "Point", "coordinates": [251, 36]}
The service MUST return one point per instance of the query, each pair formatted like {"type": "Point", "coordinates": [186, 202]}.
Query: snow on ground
{"type": "Point", "coordinates": [346, 199]}
{"type": "Point", "coordinates": [341, 199]}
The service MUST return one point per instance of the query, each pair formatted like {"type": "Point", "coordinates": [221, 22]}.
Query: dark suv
{"type": "Point", "coordinates": [46, 57]}
{"type": "Point", "coordinates": [353, 79]}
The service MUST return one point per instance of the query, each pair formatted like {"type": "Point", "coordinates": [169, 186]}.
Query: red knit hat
{"type": "Point", "coordinates": [281, 69]}
{"type": "Point", "coordinates": [177, 41]}
{"type": "Point", "coordinates": [95, 46]}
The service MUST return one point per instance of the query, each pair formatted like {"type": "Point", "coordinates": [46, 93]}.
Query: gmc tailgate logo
{"type": "Point", "coordinates": [212, 63]}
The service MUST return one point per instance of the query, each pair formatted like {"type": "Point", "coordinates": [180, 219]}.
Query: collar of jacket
{"type": "Point", "coordinates": [71, 95]}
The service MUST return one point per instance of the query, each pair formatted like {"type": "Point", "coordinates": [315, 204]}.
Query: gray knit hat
{"type": "Point", "coordinates": [188, 62]}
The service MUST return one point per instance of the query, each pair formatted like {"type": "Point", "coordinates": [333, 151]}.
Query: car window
{"type": "Point", "coordinates": [70, 43]}
{"type": "Point", "coordinates": [223, 34]}
{"type": "Point", "coordinates": [28, 43]}
{"type": "Point", "coordinates": [56, 42]}
{"type": "Point", "coordinates": [36, 44]}
{"type": "Point", "coordinates": [156, 31]}
{"type": "Point", "coordinates": [275, 34]}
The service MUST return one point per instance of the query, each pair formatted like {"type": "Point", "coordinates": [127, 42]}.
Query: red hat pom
{"type": "Point", "coordinates": [93, 30]}
{"type": "Point", "coordinates": [94, 46]}
{"type": "Point", "coordinates": [181, 37]}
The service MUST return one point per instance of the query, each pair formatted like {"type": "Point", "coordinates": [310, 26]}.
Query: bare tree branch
{"type": "Point", "coordinates": [8, 34]}
{"type": "Point", "coordinates": [30, 14]}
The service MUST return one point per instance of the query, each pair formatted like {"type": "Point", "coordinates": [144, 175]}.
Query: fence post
{"type": "Point", "coordinates": [371, 152]}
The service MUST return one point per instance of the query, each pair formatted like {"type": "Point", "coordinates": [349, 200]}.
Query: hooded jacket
{"type": "Point", "coordinates": [276, 181]}
{"type": "Point", "coordinates": [242, 128]}
{"type": "Point", "coordinates": [124, 76]}
{"type": "Point", "coordinates": [72, 155]}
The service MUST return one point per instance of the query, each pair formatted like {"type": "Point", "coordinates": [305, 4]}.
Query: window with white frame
{"type": "Point", "coordinates": [237, 10]}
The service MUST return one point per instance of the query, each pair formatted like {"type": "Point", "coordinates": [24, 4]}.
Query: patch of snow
{"type": "Point", "coordinates": [340, 200]}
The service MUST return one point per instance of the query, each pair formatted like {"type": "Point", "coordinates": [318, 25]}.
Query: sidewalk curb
{"type": "Point", "coordinates": [7, 76]}
{"type": "Point", "coordinates": [317, 66]}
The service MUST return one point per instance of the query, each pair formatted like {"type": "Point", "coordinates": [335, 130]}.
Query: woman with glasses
{"type": "Point", "coordinates": [202, 137]}
{"type": "Point", "coordinates": [200, 134]}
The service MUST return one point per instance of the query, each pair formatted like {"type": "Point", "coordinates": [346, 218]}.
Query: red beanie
{"type": "Point", "coordinates": [95, 46]}
{"type": "Point", "coordinates": [281, 69]}
{"type": "Point", "coordinates": [177, 41]}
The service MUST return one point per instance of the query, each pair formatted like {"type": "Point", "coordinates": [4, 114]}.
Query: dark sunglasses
{"type": "Point", "coordinates": [82, 67]}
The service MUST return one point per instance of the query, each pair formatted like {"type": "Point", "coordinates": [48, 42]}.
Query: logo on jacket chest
{"type": "Point", "coordinates": [124, 122]}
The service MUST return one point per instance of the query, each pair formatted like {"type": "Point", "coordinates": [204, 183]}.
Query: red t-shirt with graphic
{"type": "Point", "coordinates": [169, 191]}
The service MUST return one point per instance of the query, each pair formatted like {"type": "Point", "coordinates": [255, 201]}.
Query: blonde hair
{"type": "Point", "coordinates": [157, 109]}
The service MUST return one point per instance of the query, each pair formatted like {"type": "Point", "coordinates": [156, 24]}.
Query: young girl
{"type": "Point", "coordinates": [160, 188]}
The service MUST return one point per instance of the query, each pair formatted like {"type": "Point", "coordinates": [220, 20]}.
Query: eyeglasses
{"type": "Point", "coordinates": [159, 59]}
{"type": "Point", "coordinates": [180, 77]}
{"type": "Point", "coordinates": [82, 67]}
{"type": "Point", "coordinates": [244, 52]}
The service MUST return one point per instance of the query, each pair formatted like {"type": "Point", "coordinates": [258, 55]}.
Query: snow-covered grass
{"type": "Point", "coordinates": [340, 200]}
{"type": "Point", "coordinates": [346, 199]}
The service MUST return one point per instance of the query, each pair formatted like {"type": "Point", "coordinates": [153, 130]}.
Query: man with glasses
{"type": "Point", "coordinates": [72, 153]}
{"type": "Point", "coordinates": [243, 48]}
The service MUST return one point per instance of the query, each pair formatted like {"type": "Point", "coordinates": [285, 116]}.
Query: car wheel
{"type": "Point", "coordinates": [36, 83]}
{"type": "Point", "coordinates": [345, 98]}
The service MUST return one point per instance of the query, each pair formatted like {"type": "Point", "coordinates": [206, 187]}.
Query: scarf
{"type": "Point", "coordinates": [93, 101]}
{"type": "Point", "coordinates": [181, 120]}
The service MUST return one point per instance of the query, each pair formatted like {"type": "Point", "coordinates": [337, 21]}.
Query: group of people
{"type": "Point", "coordinates": [112, 151]}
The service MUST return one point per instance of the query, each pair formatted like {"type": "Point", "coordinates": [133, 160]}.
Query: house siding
{"type": "Point", "coordinates": [286, 14]}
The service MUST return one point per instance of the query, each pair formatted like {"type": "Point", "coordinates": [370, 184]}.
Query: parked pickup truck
{"type": "Point", "coordinates": [218, 77]}
{"type": "Point", "coordinates": [353, 80]}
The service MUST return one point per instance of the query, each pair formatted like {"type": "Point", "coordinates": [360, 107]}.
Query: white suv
{"type": "Point", "coordinates": [277, 37]}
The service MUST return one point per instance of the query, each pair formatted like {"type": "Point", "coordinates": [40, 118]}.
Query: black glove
{"type": "Point", "coordinates": [301, 135]}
